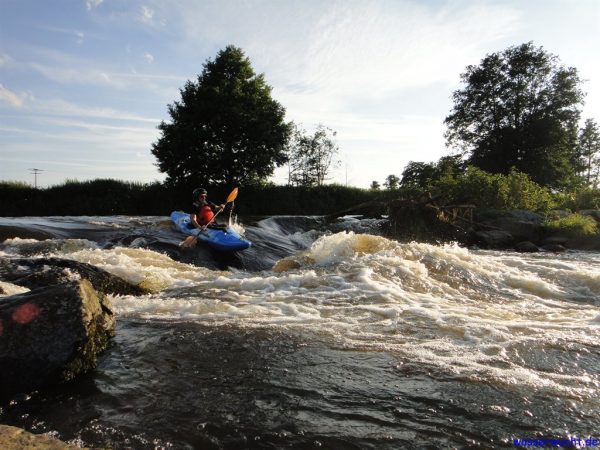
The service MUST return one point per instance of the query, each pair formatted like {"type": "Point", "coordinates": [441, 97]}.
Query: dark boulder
{"type": "Point", "coordinates": [526, 247]}
{"type": "Point", "coordinates": [521, 230]}
{"type": "Point", "coordinates": [555, 240]}
{"type": "Point", "coordinates": [39, 272]}
{"type": "Point", "coordinates": [555, 248]}
{"type": "Point", "coordinates": [51, 335]}
{"type": "Point", "coordinates": [495, 239]}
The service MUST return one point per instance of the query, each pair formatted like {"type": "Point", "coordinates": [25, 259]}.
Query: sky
{"type": "Point", "coordinates": [84, 83]}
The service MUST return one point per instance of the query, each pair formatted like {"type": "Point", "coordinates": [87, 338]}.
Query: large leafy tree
{"type": "Point", "coordinates": [226, 129]}
{"type": "Point", "coordinates": [518, 108]}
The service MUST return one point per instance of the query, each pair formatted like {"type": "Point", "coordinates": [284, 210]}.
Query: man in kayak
{"type": "Point", "coordinates": [203, 211]}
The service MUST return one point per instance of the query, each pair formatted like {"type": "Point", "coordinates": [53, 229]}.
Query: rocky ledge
{"type": "Point", "coordinates": [13, 438]}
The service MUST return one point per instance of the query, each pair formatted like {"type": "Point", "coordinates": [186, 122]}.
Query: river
{"type": "Point", "coordinates": [326, 337]}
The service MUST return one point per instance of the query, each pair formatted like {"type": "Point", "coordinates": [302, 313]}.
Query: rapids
{"type": "Point", "coordinates": [322, 336]}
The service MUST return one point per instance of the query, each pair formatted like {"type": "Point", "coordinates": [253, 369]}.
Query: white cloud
{"type": "Point", "coordinates": [148, 56]}
{"type": "Point", "coordinates": [90, 4]}
{"type": "Point", "coordinates": [4, 59]}
{"type": "Point", "coordinates": [62, 108]}
{"type": "Point", "coordinates": [146, 14]}
{"type": "Point", "coordinates": [13, 98]}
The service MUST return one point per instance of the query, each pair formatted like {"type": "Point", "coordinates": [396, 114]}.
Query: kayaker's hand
{"type": "Point", "coordinates": [221, 207]}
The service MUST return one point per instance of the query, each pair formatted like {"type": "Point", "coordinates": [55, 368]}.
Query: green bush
{"type": "Point", "coordinates": [584, 198]}
{"type": "Point", "coordinates": [574, 225]}
{"type": "Point", "coordinates": [494, 191]}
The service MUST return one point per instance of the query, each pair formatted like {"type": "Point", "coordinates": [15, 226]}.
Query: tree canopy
{"type": "Point", "coordinates": [518, 108]}
{"type": "Point", "coordinates": [226, 129]}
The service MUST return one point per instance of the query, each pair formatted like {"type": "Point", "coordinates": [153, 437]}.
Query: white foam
{"type": "Point", "coordinates": [470, 313]}
{"type": "Point", "coordinates": [7, 289]}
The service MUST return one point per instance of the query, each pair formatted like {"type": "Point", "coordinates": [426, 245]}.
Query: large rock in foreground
{"type": "Point", "coordinates": [51, 334]}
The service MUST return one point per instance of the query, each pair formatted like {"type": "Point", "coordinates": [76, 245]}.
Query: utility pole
{"type": "Point", "coordinates": [35, 173]}
{"type": "Point", "coordinates": [346, 174]}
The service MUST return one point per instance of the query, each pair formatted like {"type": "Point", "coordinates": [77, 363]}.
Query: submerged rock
{"type": "Point", "coordinates": [555, 248]}
{"type": "Point", "coordinates": [51, 335]}
{"type": "Point", "coordinates": [526, 247]}
{"type": "Point", "coordinates": [13, 438]}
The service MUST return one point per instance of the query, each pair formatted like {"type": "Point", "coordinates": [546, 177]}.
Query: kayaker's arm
{"type": "Point", "coordinates": [194, 220]}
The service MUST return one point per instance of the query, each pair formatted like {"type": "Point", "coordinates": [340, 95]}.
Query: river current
{"type": "Point", "coordinates": [322, 337]}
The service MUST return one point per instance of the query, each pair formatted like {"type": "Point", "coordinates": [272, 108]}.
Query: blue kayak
{"type": "Point", "coordinates": [227, 240]}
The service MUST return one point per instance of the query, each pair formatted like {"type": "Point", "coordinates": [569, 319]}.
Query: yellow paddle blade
{"type": "Point", "coordinates": [232, 196]}
{"type": "Point", "coordinates": [188, 242]}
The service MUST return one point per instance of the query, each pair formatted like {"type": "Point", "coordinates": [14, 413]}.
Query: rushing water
{"type": "Point", "coordinates": [323, 338]}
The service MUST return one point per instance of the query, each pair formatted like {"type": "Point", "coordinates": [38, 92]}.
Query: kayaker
{"type": "Point", "coordinates": [202, 211]}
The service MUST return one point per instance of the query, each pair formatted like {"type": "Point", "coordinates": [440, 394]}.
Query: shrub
{"type": "Point", "coordinates": [494, 191]}
{"type": "Point", "coordinates": [584, 198]}
{"type": "Point", "coordinates": [574, 225]}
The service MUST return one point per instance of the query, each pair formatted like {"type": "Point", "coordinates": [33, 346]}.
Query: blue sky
{"type": "Point", "coordinates": [84, 83]}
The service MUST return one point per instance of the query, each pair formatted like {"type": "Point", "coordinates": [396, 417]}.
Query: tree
{"type": "Point", "coordinates": [391, 182]}
{"type": "Point", "coordinates": [311, 156]}
{"type": "Point", "coordinates": [424, 174]}
{"type": "Point", "coordinates": [375, 185]}
{"type": "Point", "coordinates": [589, 152]}
{"type": "Point", "coordinates": [226, 129]}
{"type": "Point", "coordinates": [518, 108]}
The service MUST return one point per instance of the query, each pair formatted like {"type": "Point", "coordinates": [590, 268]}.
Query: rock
{"type": "Point", "coordinates": [525, 216]}
{"type": "Point", "coordinates": [13, 438]}
{"type": "Point", "coordinates": [51, 335]}
{"type": "Point", "coordinates": [520, 229]}
{"type": "Point", "coordinates": [40, 272]}
{"type": "Point", "coordinates": [494, 239]}
{"type": "Point", "coordinates": [556, 248]}
{"type": "Point", "coordinates": [555, 240]}
{"type": "Point", "coordinates": [526, 247]}
{"type": "Point", "coordinates": [558, 213]}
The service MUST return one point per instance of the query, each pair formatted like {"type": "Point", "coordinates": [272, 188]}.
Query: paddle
{"type": "Point", "coordinates": [191, 241]}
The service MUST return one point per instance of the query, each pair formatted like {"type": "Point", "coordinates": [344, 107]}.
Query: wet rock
{"type": "Point", "coordinates": [555, 248]}
{"type": "Point", "coordinates": [521, 230]}
{"type": "Point", "coordinates": [493, 239]}
{"type": "Point", "coordinates": [555, 240]}
{"type": "Point", "coordinates": [40, 272]}
{"type": "Point", "coordinates": [51, 335]}
{"type": "Point", "coordinates": [13, 438]}
{"type": "Point", "coordinates": [526, 247]}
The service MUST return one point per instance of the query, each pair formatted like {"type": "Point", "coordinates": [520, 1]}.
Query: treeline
{"type": "Point", "coordinates": [473, 186]}
{"type": "Point", "coordinates": [113, 197]}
